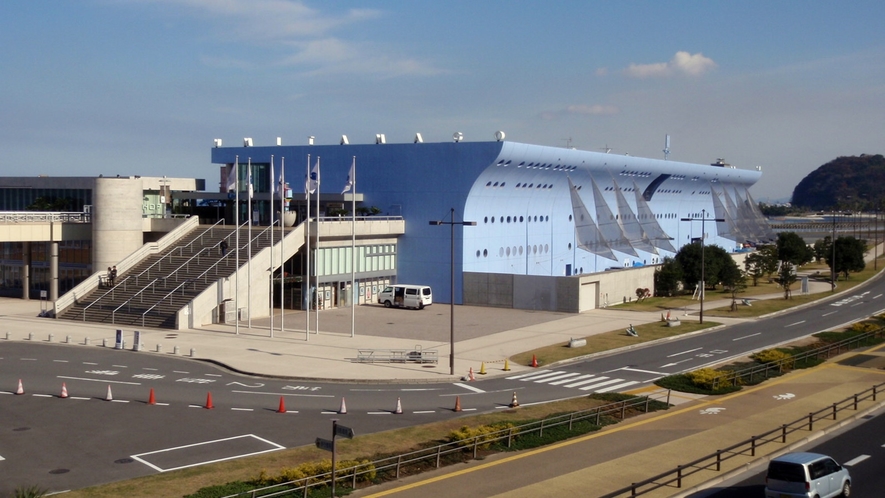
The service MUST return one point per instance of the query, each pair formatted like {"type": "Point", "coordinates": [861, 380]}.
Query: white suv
{"type": "Point", "coordinates": [809, 475]}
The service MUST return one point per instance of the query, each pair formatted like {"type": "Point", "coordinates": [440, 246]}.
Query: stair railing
{"type": "Point", "coordinates": [109, 291]}
{"type": "Point", "coordinates": [128, 302]}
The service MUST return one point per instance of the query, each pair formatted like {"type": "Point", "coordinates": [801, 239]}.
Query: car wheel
{"type": "Point", "coordinates": [846, 489]}
{"type": "Point", "coordinates": [386, 304]}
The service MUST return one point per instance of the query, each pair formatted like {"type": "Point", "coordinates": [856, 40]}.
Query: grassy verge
{"type": "Point", "coordinates": [608, 341]}
{"type": "Point", "coordinates": [185, 481]}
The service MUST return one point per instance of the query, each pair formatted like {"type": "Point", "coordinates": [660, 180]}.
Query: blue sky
{"type": "Point", "coordinates": [143, 86]}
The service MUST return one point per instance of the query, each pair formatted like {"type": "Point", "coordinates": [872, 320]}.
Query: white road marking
{"type": "Point", "coordinates": [1, 459]}
{"type": "Point", "coordinates": [675, 363]}
{"type": "Point", "coordinates": [151, 369]}
{"type": "Point", "coordinates": [100, 380]}
{"type": "Point", "coordinates": [60, 361]}
{"type": "Point", "coordinates": [426, 411]}
{"type": "Point", "coordinates": [856, 461]}
{"type": "Point", "coordinates": [557, 377]}
{"type": "Point", "coordinates": [514, 377]}
{"type": "Point", "coordinates": [28, 359]}
{"type": "Point", "coordinates": [274, 446]}
{"type": "Point", "coordinates": [287, 394]}
{"type": "Point", "coordinates": [469, 388]}
{"type": "Point", "coordinates": [119, 366]}
{"type": "Point", "coordinates": [856, 304]}
{"type": "Point", "coordinates": [425, 389]}
{"type": "Point", "coordinates": [572, 379]}
{"type": "Point", "coordinates": [329, 413]}
{"type": "Point", "coordinates": [213, 375]}
{"type": "Point", "coordinates": [617, 386]}
{"type": "Point", "coordinates": [746, 336]}
{"type": "Point", "coordinates": [243, 409]}
{"type": "Point", "coordinates": [42, 395]}
{"type": "Point", "coordinates": [600, 384]}
{"type": "Point", "coordinates": [543, 375]}
{"type": "Point", "coordinates": [79, 397]}
{"type": "Point", "coordinates": [468, 409]}
{"type": "Point", "coordinates": [640, 371]}
{"type": "Point", "coordinates": [119, 401]}
{"type": "Point", "coordinates": [797, 323]}
{"type": "Point", "coordinates": [180, 372]}
{"type": "Point", "coordinates": [830, 313]}
{"type": "Point", "coordinates": [89, 363]}
{"type": "Point", "coordinates": [162, 404]}
{"type": "Point", "coordinates": [378, 413]}
{"type": "Point", "coordinates": [684, 352]}
{"type": "Point", "coordinates": [581, 383]}
{"type": "Point", "coordinates": [877, 296]}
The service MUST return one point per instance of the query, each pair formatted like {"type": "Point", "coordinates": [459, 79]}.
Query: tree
{"type": "Point", "coordinates": [849, 256]}
{"type": "Point", "coordinates": [769, 261]}
{"type": "Point", "coordinates": [733, 279]}
{"type": "Point", "coordinates": [668, 277]}
{"type": "Point", "coordinates": [754, 265]}
{"type": "Point", "coordinates": [689, 258]}
{"type": "Point", "coordinates": [823, 248]}
{"type": "Point", "coordinates": [787, 277]}
{"type": "Point", "coordinates": [791, 247]}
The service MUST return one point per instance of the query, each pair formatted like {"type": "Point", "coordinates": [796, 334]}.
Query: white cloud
{"type": "Point", "coordinates": [305, 33]}
{"type": "Point", "coordinates": [681, 63]}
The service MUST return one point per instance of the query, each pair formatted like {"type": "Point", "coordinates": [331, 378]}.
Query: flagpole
{"type": "Point", "coordinates": [316, 319]}
{"type": "Point", "coordinates": [237, 228]}
{"type": "Point", "coordinates": [307, 250]}
{"type": "Point", "coordinates": [271, 244]}
{"type": "Point", "coordinates": [354, 288]}
{"type": "Point", "coordinates": [249, 250]}
{"type": "Point", "coordinates": [282, 239]}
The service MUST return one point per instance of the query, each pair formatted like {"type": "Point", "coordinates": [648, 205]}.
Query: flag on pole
{"type": "Point", "coordinates": [271, 179]}
{"type": "Point", "coordinates": [232, 177]}
{"type": "Point", "coordinates": [250, 181]}
{"type": "Point", "coordinates": [314, 181]}
{"type": "Point", "coordinates": [350, 178]}
{"type": "Point", "coordinates": [283, 180]}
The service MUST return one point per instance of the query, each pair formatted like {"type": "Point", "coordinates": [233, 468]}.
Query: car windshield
{"type": "Point", "coordinates": [783, 471]}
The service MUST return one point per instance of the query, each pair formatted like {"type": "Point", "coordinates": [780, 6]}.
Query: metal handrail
{"type": "Point", "coordinates": [109, 291]}
{"type": "Point", "coordinates": [129, 301]}
{"type": "Point", "coordinates": [714, 460]}
{"type": "Point", "coordinates": [171, 253]}
{"type": "Point", "coordinates": [435, 453]}
{"type": "Point", "coordinates": [194, 280]}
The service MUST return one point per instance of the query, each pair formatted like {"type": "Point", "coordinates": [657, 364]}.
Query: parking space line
{"type": "Point", "coordinates": [274, 447]}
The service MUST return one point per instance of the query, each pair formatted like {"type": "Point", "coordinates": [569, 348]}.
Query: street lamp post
{"type": "Point", "coordinates": [833, 260]}
{"type": "Point", "coordinates": [452, 223]}
{"type": "Point", "coordinates": [703, 220]}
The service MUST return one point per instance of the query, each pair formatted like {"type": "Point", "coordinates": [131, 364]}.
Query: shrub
{"type": "Point", "coordinates": [311, 469]}
{"type": "Point", "coordinates": [485, 433]}
{"type": "Point", "coordinates": [774, 355]}
{"type": "Point", "coordinates": [705, 377]}
{"type": "Point", "coordinates": [864, 327]}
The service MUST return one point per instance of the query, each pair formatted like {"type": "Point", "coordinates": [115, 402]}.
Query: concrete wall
{"type": "Point", "coordinates": [561, 294]}
{"type": "Point", "coordinates": [116, 220]}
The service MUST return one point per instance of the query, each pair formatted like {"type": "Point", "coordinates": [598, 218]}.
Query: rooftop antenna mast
{"type": "Point", "coordinates": [606, 149]}
{"type": "Point", "coordinates": [667, 148]}
{"type": "Point", "coordinates": [568, 142]}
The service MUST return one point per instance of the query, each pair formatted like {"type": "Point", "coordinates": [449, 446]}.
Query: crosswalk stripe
{"type": "Point", "coordinates": [598, 384]}
{"type": "Point", "coordinates": [581, 383]}
{"type": "Point", "coordinates": [535, 378]}
{"type": "Point", "coordinates": [617, 386]}
{"type": "Point", "coordinates": [557, 377]}
{"type": "Point", "coordinates": [571, 379]}
{"type": "Point", "coordinates": [512, 377]}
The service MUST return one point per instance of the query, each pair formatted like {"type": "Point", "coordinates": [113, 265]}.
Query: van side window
{"type": "Point", "coordinates": [818, 470]}
{"type": "Point", "coordinates": [425, 291]}
{"type": "Point", "coordinates": [412, 292]}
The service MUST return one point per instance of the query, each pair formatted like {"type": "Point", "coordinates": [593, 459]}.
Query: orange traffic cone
{"type": "Point", "coordinates": [152, 400]}
{"type": "Point", "coordinates": [513, 402]}
{"type": "Point", "coordinates": [399, 407]}
{"type": "Point", "coordinates": [457, 404]}
{"type": "Point", "coordinates": [109, 397]}
{"type": "Point", "coordinates": [470, 375]}
{"type": "Point", "coordinates": [534, 361]}
{"type": "Point", "coordinates": [209, 404]}
{"type": "Point", "coordinates": [64, 391]}
{"type": "Point", "coordinates": [282, 408]}
{"type": "Point", "coordinates": [20, 390]}
{"type": "Point", "coordinates": [343, 409]}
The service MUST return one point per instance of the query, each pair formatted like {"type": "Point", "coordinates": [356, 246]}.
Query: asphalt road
{"type": "Point", "coordinates": [86, 439]}
{"type": "Point", "coordinates": [859, 447]}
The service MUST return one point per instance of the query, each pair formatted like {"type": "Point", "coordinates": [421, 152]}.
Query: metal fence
{"type": "Point", "coordinates": [434, 456]}
{"type": "Point", "coordinates": [43, 217]}
{"type": "Point", "coordinates": [747, 447]}
{"type": "Point", "coordinates": [748, 375]}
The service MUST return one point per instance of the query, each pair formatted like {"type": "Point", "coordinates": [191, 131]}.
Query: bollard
{"type": "Point", "coordinates": [175, 350]}
{"type": "Point", "coordinates": [193, 352]}
{"type": "Point", "coordinates": [51, 337]}
{"type": "Point", "coordinates": [7, 338]}
{"type": "Point", "coordinates": [159, 348]}
{"type": "Point", "coordinates": [67, 339]}
{"type": "Point", "coordinates": [104, 342]}
{"type": "Point", "coordinates": [86, 341]}
{"type": "Point", "coordinates": [30, 336]}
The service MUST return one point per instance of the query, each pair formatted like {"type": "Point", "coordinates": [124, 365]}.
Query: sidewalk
{"type": "Point", "coordinates": [482, 335]}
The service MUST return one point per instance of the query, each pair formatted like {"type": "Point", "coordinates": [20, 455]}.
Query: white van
{"type": "Point", "coordinates": [406, 296]}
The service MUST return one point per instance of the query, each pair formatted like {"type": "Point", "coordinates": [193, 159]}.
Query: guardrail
{"type": "Point", "coordinates": [747, 447]}
{"type": "Point", "coordinates": [416, 355]}
{"type": "Point", "coordinates": [737, 376]}
{"type": "Point", "coordinates": [433, 456]}
{"type": "Point", "coordinates": [44, 217]}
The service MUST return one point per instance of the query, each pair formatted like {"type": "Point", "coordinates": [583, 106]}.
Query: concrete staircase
{"type": "Point", "coordinates": [152, 292]}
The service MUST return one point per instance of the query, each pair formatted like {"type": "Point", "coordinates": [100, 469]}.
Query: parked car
{"type": "Point", "coordinates": [809, 475]}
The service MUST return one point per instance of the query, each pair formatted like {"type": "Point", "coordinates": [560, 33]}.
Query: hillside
{"type": "Point", "coordinates": [848, 182]}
